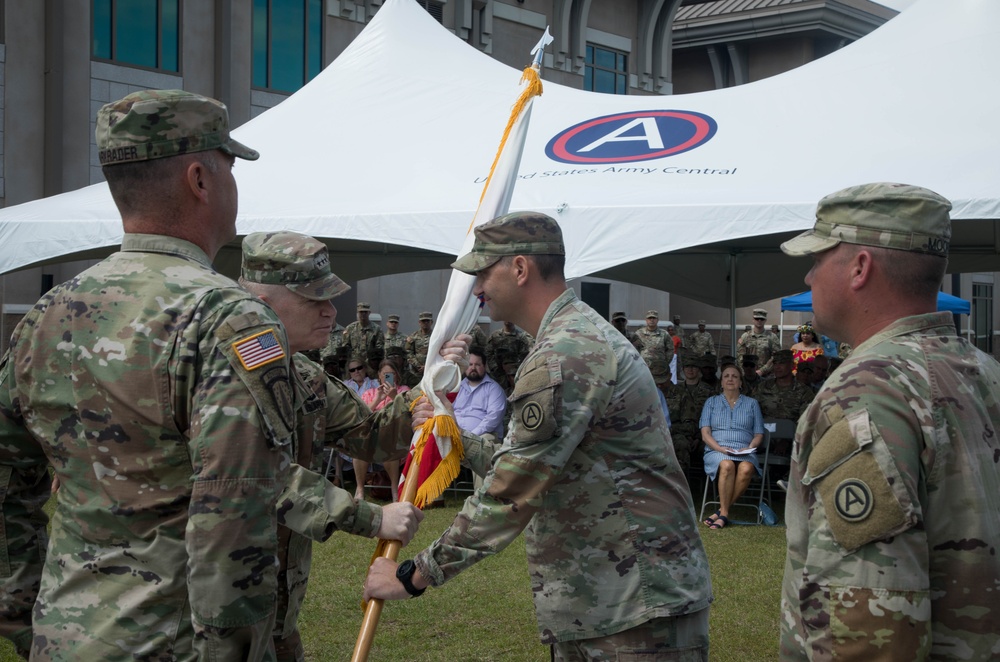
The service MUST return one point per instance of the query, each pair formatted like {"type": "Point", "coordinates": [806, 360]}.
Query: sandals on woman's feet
{"type": "Point", "coordinates": [712, 518]}
{"type": "Point", "coordinates": [719, 523]}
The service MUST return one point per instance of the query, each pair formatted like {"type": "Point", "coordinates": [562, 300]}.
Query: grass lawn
{"type": "Point", "coordinates": [487, 614]}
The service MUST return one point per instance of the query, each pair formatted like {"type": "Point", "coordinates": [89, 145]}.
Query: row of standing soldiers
{"type": "Point", "coordinates": [363, 340]}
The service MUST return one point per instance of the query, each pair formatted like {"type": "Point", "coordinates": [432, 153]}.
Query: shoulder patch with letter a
{"type": "Point", "coordinates": [259, 349]}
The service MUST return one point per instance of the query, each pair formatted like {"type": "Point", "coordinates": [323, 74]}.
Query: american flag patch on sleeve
{"type": "Point", "coordinates": [259, 349]}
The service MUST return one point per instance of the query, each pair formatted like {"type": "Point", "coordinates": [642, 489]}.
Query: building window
{"type": "Point", "coordinates": [982, 316]}
{"type": "Point", "coordinates": [605, 71]}
{"type": "Point", "coordinates": [435, 9]}
{"type": "Point", "coordinates": [287, 43]}
{"type": "Point", "coordinates": [143, 33]}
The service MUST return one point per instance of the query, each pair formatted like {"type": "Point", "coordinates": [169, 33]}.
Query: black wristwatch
{"type": "Point", "coordinates": [404, 573]}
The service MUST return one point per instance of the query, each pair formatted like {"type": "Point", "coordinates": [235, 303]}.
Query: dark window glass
{"type": "Point", "coordinates": [145, 33]}
{"type": "Point", "coordinates": [101, 32]}
{"type": "Point", "coordinates": [260, 42]}
{"type": "Point", "coordinates": [606, 71]}
{"type": "Point", "coordinates": [287, 43]}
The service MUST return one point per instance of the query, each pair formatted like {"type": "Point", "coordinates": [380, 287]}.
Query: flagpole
{"type": "Point", "coordinates": [411, 484]}
{"type": "Point", "coordinates": [373, 608]}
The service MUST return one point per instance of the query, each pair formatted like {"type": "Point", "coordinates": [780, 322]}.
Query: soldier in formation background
{"type": "Point", "coordinates": [759, 341]}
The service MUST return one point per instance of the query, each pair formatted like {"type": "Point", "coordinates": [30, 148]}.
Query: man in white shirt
{"type": "Point", "coordinates": [481, 403]}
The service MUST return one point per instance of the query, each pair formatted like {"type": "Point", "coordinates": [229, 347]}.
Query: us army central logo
{"type": "Point", "coordinates": [532, 416]}
{"type": "Point", "coordinates": [853, 500]}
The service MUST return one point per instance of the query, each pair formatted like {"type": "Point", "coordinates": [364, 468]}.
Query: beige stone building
{"type": "Point", "coordinates": [61, 60]}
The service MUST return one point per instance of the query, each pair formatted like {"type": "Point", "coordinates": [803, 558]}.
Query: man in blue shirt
{"type": "Point", "coordinates": [481, 403]}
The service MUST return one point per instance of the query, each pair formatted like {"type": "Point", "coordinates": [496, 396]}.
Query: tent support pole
{"type": "Point", "coordinates": [732, 303]}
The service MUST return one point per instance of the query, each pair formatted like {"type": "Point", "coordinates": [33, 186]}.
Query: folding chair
{"type": "Point", "coordinates": [752, 497]}
{"type": "Point", "coordinates": [783, 430]}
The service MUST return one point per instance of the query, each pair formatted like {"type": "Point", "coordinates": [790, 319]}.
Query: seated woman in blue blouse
{"type": "Point", "coordinates": [730, 422]}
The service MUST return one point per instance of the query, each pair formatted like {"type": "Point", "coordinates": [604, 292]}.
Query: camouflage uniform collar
{"type": "Point", "coordinates": [158, 243]}
{"type": "Point", "coordinates": [940, 323]}
{"type": "Point", "coordinates": [560, 302]}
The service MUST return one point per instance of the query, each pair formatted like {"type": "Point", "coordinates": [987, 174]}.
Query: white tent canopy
{"type": "Point", "coordinates": [384, 155]}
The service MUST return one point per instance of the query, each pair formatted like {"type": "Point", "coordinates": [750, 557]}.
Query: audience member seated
{"type": "Point", "coordinates": [390, 385]}
{"type": "Point", "coordinates": [732, 428]}
{"type": "Point", "coordinates": [481, 402]}
{"type": "Point", "coordinates": [358, 379]}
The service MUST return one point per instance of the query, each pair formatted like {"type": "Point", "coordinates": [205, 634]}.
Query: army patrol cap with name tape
{"type": "Point", "coordinates": [153, 124]}
{"type": "Point", "coordinates": [619, 316]}
{"type": "Point", "coordinates": [297, 261]}
{"type": "Point", "coordinates": [517, 233]}
{"type": "Point", "coordinates": [896, 216]}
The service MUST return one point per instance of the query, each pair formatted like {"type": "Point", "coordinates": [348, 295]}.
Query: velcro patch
{"type": "Point", "coordinates": [536, 404]}
{"type": "Point", "coordinates": [259, 349]}
{"type": "Point", "coordinates": [859, 503]}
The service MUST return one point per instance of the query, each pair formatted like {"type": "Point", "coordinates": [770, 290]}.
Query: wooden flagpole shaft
{"type": "Point", "coordinates": [373, 610]}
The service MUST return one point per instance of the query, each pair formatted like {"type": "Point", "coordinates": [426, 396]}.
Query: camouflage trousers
{"type": "Point", "coordinates": [675, 638]}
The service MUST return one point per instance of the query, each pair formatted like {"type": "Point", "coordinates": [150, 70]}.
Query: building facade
{"type": "Point", "coordinates": [252, 54]}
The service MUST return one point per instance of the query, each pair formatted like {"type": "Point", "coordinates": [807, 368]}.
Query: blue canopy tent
{"type": "Point", "coordinates": [803, 302]}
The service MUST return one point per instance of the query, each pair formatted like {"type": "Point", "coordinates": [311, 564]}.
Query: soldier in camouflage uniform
{"type": "Point", "coordinates": [363, 340]}
{"type": "Point", "coordinates": [416, 349]}
{"type": "Point", "coordinates": [895, 486]}
{"type": "Point", "coordinates": [619, 320]}
{"type": "Point", "coordinates": [781, 395]}
{"type": "Point", "coordinates": [291, 273]}
{"type": "Point", "coordinates": [392, 337]}
{"type": "Point", "coordinates": [759, 341]}
{"type": "Point", "coordinates": [751, 380]}
{"type": "Point", "coordinates": [679, 331]}
{"type": "Point", "coordinates": [158, 391]}
{"type": "Point", "coordinates": [657, 348]}
{"type": "Point", "coordinates": [333, 355]}
{"type": "Point", "coordinates": [479, 337]}
{"type": "Point", "coordinates": [505, 351]}
{"type": "Point", "coordinates": [685, 400]}
{"type": "Point", "coordinates": [700, 342]}
{"type": "Point", "coordinates": [587, 469]}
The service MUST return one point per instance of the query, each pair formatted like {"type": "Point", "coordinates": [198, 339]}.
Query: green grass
{"type": "Point", "coordinates": [486, 613]}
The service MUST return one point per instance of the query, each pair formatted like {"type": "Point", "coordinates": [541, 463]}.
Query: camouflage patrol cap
{"type": "Point", "coordinates": [690, 360]}
{"type": "Point", "coordinates": [517, 233]}
{"type": "Point", "coordinates": [677, 318]}
{"type": "Point", "coordinates": [783, 356]}
{"type": "Point", "coordinates": [653, 313]}
{"type": "Point", "coordinates": [750, 359]}
{"type": "Point", "coordinates": [153, 124]}
{"type": "Point", "coordinates": [392, 318]}
{"type": "Point", "coordinates": [618, 316]}
{"type": "Point", "coordinates": [896, 216]}
{"type": "Point", "coordinates": [709, 360]}
{"type": "Point", "coordinates": [759, 313]}
{"type": "Point", "coordinates": [395, 350]}
{"type": "Point", "coordinates": [297, 261]}
{"type": "Point", "coordinates": [701, 322]}
{"type": "Point", "coordinates": [425, 316]}
{"type": "Point", "coordinates": [364, 307]}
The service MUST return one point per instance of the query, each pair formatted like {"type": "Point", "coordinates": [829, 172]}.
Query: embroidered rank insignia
{"type": "Point", "coordinates": [259, 349]}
